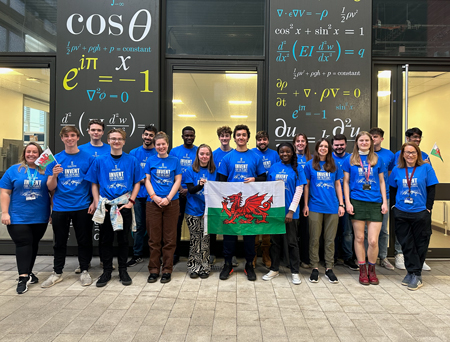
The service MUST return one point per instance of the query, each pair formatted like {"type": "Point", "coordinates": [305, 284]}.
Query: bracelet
{"type": "Point", "coordinates": [168, 199]}
{"type": "Point", "coordinates": [151, 196]}
{"type": "Point", "coordinates": [132, 201]}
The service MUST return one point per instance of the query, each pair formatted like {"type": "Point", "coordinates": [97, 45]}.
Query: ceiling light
{"type": "Point", "coordinates": [239, 116]}
{"type": "Point", "coordinates": [240, 102]}
{"type": "Point", "coordinates": [384, 74]}
{"type": "Point", "coordinates": [240, 76]}
{"type": "Point", "coordinates": [9, 71]}
{"type": "Point", "coordinates": [187, 115]}
{"type": "Point", "coordinates": [177, 101]}
{"type": "Point", "coordinates": [384, 93]}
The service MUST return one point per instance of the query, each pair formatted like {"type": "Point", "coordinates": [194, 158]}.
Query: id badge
{"type": "Point", "coordinates": [30, 197]}
{"type": "Point", "coordinates": [367, 187]}
{"type": "Point", "coordinates": [409, 200]}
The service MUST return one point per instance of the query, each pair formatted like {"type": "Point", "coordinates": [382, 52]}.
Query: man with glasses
{"type": "Point", "coordinates": [413, 135]}
{"type": "Point", "coordinates": [142, 153]}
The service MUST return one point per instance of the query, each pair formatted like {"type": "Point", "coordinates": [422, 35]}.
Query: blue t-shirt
{"type": "Point", "coordinates": [95, 151]}
{"type": "Point", "coordinates": [358, 179]}
{"type": "Point", "coordinates": [195, 204]}
{"type": "Point", "coordinates": [162, 173]}
{"type": "Point", "coordinates": [388, 160]}
{"type": "Point", "coordinates": [186, 157]}
{"type": "Point", "coordinates": [301, 160]}
{"type": "Point", "coordinates": [240, 165]}
{"type": "Point", "coordinates": [269, 157]}
{"type": "Point", "coordinates": [73, 191]}
{"type": "Point", "coordinates": [21, 210]}
{"type": "Point", "coordinates": [397, 155]}
{"type": "Point", "coordinates": [218, 156]}
{"type": "Point", "coordinates": [423, 176]}
{"type": "Point", "coordinates": [322, 188]}
{"type": "Point", "coordinates": [286, 173]}
{"type": "Point", "coordinates": [142, 154]}
{"type": "Point", "coordinates": [115, 177]}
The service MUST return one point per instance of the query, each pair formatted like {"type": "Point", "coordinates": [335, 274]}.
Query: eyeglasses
{"type": "Point", "coordinates": [116, 139]}
{"type": "Point", "coordinates": [415, 137]}
{"type": "Point", "coordinates": [410, 153]}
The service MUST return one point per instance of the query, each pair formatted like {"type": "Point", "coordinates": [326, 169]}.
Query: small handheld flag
{"type": "Point", "coordinates": [45, 158]}
{"type": "Point", "coordinates": [436, 151]}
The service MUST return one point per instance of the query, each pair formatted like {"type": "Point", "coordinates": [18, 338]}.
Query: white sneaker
{"type": "Point", "coordinates": [85, 279]}
{"type": "Point", "coordinates": [425, 267]}
{"type": "Point", "coordinates": [400, 262]}
{"type": "Point", "coordinates": [270, 275]}
{"type": "Point", "coordinates": [78, 269]}
{"type": "Point", "coordinates": [386, 264]}
{"type": "Point", "coordinates": [296, 279]}
{"type": "Point", "coordinates": [52, 280]}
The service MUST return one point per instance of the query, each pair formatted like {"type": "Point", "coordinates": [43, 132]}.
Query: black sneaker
{"type": "Point", "coordinates": [134, 261]}
{"type": "Point", "coordinates": [124, 277]}
{"type": "Point", "coordinates": [103, 279]}
{"type": "Point", "coordinates": [152, 278]}
{"type": "Point", "coordinates": [194, 275]}
{"type": "Point", "coordinates": [350, 263]}
{"type": "Point", "coordinates": [33, 279]}
{"type": "Point", "coordinates": [22, 285]}
{"type": "Point", "coordinates": [249, 271]}
{"type": "Point", "coordinates": [331, 277]}
{"type": "Point", "coordinates": [226, 271]}
{"type": "Point", "coordinates": [204, 275]}
{"type": "Point", "coordinates": [166, 277]}
{"type": "Point", "coordinates": [314, 277]}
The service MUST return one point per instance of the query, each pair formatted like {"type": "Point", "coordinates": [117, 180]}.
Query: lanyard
{"type": "Point", "coordinates": [31, 179]}
{"type": "Point", "coordinates": [366, 174]}
{"type": "Point", "coordinates": [409, 180]}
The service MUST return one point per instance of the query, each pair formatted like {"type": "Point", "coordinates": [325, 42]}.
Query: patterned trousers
{"type": "Point", "coordinates": [198, 261]}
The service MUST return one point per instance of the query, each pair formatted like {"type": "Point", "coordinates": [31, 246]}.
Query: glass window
{"type": "Point", "coordinates": [413, 28]}
{"type": "Point", "coordinates": [384, 105]}
{"type": "Point", "coordinates": [24, 114]}
{"type": "Point", "coordinates": [28, 26]}
{"type": "Point", "coordinates": [221, 27]}
{"type": "Point", "coordinates": [207, 101]}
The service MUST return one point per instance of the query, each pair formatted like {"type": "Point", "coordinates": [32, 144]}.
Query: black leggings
{"type": "Point", "coordinates": [26, 237]}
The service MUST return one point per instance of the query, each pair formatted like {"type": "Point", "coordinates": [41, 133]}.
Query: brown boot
{"type": "Point", "coordinates": [363, 279]}
{"type": "Point", "coordinates": [266, 256]}
{"type": "Point", "coordinates": [373, 279]}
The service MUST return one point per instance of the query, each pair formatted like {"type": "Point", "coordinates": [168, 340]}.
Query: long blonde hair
{"type": "Point", "coordinates": [372, 157]}
{"type": "Point", "coordinates": [23, 162]}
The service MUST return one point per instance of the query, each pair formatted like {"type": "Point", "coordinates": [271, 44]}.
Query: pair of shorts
{"type": "Point", "coordinates": [366, 211]}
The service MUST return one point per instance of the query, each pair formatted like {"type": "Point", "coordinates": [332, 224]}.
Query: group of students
{"type": "Point", "coordinates": [151, 191]}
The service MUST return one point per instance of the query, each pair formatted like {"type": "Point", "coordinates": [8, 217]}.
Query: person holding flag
{"type": "Point", "coordinates": [71, 202]}
{"type": "Point", "coordinates": [25, 204]}
{"type": "Point", "coordinates": [240, 165]}
{"type": "Point", "coordinates": [435, 151]}
{"type": "Point", "coordinates": [412, 185]}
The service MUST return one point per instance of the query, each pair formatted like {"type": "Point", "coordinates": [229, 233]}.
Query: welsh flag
{"type": "Point", "coordinates": [244, 208]}
{"type": "Point", "coordinates": [436, 151]}
{"type": "Point", "coordinates": [45, 158]}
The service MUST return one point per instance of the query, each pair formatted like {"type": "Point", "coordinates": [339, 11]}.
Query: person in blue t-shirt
{"type": "Point", "coordinates": [71, 202]}
{"type": "Point", "coordinates": [186, 155]}
{"type": "Point", "coordinates": [142, 154]}
{"type": "Point", "coordinates": [163, 179]}
{"type": "Point", "coordinates": [344, 235]}
{"type": "Point", "coordinates": [240, 165]}
{"type": "Point", "coordinates": [25, 206]}
{"type": "Point", "coordinates": [301, 145]}
{"type": "Point", "coordinates": [287, 170]}
{"type": "Point", "coordinates": [387, 157]}
{"type": "Point", "coordinates": [115, 182]}
{"type": "Point", "coordinates": [269, 157]}
{"type": "Point", "coordinates": [413, 135]}
{"type": "Point", "coordinates": [202, 170]}
{"type": "Point", "coordinates": [412, 184]}
{"type": "Point", "coordinates": [365, 198]}
{"type": "Point", "coordinates": [95, 147]}
{"type": "Point", "coordinates": [323, 206]}
{"type": "Point", "coordinates": [224, 135]}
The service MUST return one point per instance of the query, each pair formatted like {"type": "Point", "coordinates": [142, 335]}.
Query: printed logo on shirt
{"type": "Point", "coordinates": [116, 175]}
{"type": "Point", "coordinates": [71, 182]}
{"type": "Point", "coordinates": [162, 171]}
{"type": "Point", "coordinates": [267, 163]}
{"type": "Point", "coordinates": [36, 185]}
{"type": "Point", "coordinates": [323, 176]}
{"type": "Point", "coordinates": [186, 161]}
{"type": "Point", "coordinates": [325, 185]}
{"type": "Point", "coordinates": [241, 166]}
{"type": "Point", "coordinates": [144, 162]}
{"type": "Point", "coordinates": [282, 176]}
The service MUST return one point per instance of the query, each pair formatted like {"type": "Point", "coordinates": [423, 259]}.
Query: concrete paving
{"type": "Point", "coordinates": [233, 310]}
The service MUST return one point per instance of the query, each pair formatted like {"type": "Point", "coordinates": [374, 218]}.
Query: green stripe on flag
{"type": "Point", "coordinates": [275, 223]}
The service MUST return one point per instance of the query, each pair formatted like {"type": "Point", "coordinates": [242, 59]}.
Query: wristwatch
{"type": "Point", "coordinates": [342, 205]}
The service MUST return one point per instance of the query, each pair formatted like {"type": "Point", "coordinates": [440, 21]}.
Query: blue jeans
{"type": "Point", "coordinates": [141, 230]}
